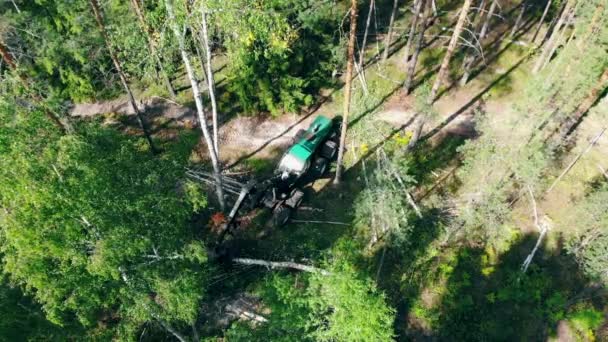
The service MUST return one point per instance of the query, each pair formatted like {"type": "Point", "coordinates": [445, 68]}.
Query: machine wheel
{"type": "Point", "coordinates": [281, 215]}
{"type": "Point", "coordinates": [320, 166]}
{"type": "Point", "coordinates": [295, 198]}
{"type": "Point", "coordinates": [329, 149]}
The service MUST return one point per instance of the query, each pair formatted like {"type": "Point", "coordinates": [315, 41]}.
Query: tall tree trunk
{"type": "Point", "coordinates": [389, 35]}
{"type": "Point", "coordinates": [123, 79]}
{"type": "Point", "coordinates": [451, 48]}
{"type": "Point", "coordinates": [559, 39]}
{"type": "Point", "coordinates": [411, 69]}
{"type": "Point", "coordinates": [488, 20]}
{"type": "Point", "coordinates": [368, 21]}
{"type": "Point", "coordinates": [210, 80]}
{"type": "Point", "coordinates": [472, 52]}
{"type": "Point", "coordinates": [160, 69]}
{"type": "Point", "coordinates": [64, 127]}
{"type": "Point", "coordinates": [520, 16]}
{"type": "Point", "coordinates": [419, 4]}
{"type": "Point", "coordinates": [347, 88]}
{"type": "Point", "coordinates": [198, 100]}
{"type": "Point", "coordinates": [540, 22]}
{"type": "Point", "coordinates": [554, 36]}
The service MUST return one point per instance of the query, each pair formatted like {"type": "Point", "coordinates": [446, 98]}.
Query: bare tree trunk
{"type": "Point", "coordinates": [540, 23]}
{"type": "Point", "coordinates": [451, 48]}
{"type": "Point", "coordinates": [411, 70]}
{"type": "Point", "coordinates": [160, 69]}
{"type": "Point", "coordinates": [558, 41]}
{"type": "Point", "coordinates": [16, 7]}
{"type": "Point", "coordinates": [472, 53]}
{"type": "Point", "coordinates": [520, 16]}
{"type": "Point", "coordinates": [172, 331]}
{"type": "Point", "coordinates": [347, 88]}
{"type": "Point", "coordinates": [121, 74]}
{"type": "Point", "coordinates": [7, 58]}
{"type": "Point", "coordinates": [419, 4]}
{"type": "Point", "coordinates": [389, 35]}
{"type": "Point", "coordinates": [202, 117]}
{"type": "Point", "coordinates": [281, 264]}
{"type": "Point", "coordinates": [210, 80]}
{"type": "Point", "coordinates": [543, 227]}
{"type": "Point", "coordinates": [554, 36]}
{"type": "Point", "coordinates": [569, 167]}
{"type": "Point", "coordinates": [364, 43]}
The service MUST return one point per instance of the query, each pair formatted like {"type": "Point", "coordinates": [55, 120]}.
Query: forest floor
{"type": "Point", "coordinates": [254, 143]}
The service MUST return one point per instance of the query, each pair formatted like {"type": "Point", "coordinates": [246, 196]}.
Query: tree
{"type": "Point", "coordinates": [471, 57]}
{"type": "Point", "coordinates": [342, 306]}
{"type": "Point", "coordinates": [553, 40]}
{"type": "Point", "coordinates": [370, 11]}
{"type": "Point", "coordinates": [541, 21]}
{"type": "Point", "coordinates": [418, 6]}
{"type": "Point", "coordinates": [123, 78]}
{"type": "Point", "coordinates": [589, 243]}
{"type": "Point", "coordinates": [198, 99]}
{"type": "Point", "coordinates": [411, 69]}
{"type": "Point", "coordinates": [64, 126]}
{"type": "Point", "coordinates": [94, 228]}
{"type": "Point", "coordinates": [347, 88]}
{"type": "Point", "coordinates": [389, 35]}
{"type": "Point", "coordinates": [210, 78]}
{"type": "Point", "coordinates": [149, 32]}
{"type": "Point", "coordinates": [443, 69]}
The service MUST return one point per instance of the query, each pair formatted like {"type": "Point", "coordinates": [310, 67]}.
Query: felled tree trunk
{"type": "Point", "coordinates": [123, 79]}
{"type": "Point", "coordinates": [280, 264]}
{"type": "Point", "coordinates": [451, 48]}
{"type": "Point", "coordinates": [198, 100]}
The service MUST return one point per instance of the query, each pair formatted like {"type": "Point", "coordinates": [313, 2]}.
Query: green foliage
{"type": "Point", "coordinates": [280, 52]}
{"type": "Point", "coordinates": [92, 224]}
{"type": "Point", "coordinates": [338, 307]}
{"type": "Point", "coordinates": [588, 223]}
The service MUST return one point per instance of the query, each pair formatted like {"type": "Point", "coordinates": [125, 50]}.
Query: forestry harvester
{"type": "Point", "coordinates": [304, 161]}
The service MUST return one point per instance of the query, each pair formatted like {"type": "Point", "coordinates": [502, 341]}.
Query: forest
{"type": "Point", "coordinates": [303, 170]}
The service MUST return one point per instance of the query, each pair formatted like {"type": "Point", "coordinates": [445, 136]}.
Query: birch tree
{"type": "Point", "coordinates": [347, 88]}
{"type": "Point", "coordinates": [198, 99]}
{"type": "Point", "coordinates": [123, 78]}
{"type": "Point", "coordinates": [445, 64]}
{"type": "Point", "coordinates": [210, 78]}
